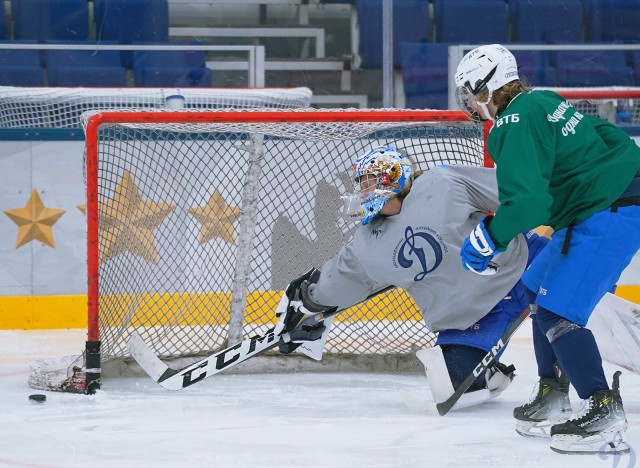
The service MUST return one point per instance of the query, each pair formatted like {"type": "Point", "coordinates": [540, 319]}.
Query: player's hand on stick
{"type": "Point", "coordinates": [296, 303]}
{"type": "Point", "coordinates": [308, 330]}
{"type": "Point", "coordinates": [478, 249]}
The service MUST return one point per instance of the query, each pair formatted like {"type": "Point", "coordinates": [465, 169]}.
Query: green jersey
{"type": "Point", "coordinates": [555, 165]}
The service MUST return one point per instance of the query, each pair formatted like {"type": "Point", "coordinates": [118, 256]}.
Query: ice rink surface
{"type": "Point", "coordinates": [274, 420]}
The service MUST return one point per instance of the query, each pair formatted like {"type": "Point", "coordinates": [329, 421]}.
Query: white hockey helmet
{"type": "Point", "coordinates": [483, 70]}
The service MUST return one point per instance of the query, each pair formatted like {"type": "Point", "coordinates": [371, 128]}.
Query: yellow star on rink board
{"type": "Point", "coordinates": [217, 219]}
{"type": "Point", "coordinates": [127, 222]}
{"type": "Point", "coordinates": [35, 221]}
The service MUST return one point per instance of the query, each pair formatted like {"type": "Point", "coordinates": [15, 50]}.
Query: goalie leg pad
{"type": "Point", "coordinates": [498, 378]}
{"type": "Point", "coordinates": [472, 398]}
{"type": "Point", "coordinates": [440, 381]}
{"type": "Point", "coordinates": [437, 373]}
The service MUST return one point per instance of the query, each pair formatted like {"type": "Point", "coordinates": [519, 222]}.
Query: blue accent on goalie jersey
{"type": "Point", "coordinates": [487, 331]}
{"type": "Point", "coordinates": [412, 248]}
{"type": "Point", "coordinates": [491, 327]}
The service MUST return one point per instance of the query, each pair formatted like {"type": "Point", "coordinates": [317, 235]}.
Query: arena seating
{"type": "Point", "coordinates": [603, 68]}
{"type": "Point", "coordinates": [3, 27]}
{"type": "Point", "coordinates": [20, 68]}
{"type": "Point", "coordinates": [470, 21]}
{"type": "Point", "coordinates": [614, 20]}
{"type": "Point", "coordinates": [129, 21]}
{"type": "Point", "coordinates": [547, 21]}
{"type": "Point", "coordinates": [535, 67]}
{"type": "Point", "coordinates": [410, 24]}
{"type": "Point", "coordinates": [85, 68]}
{"type": "Point", "coordinates": [43, 21]}
{"type": "Point", "coordinates": [425, 75]}
{"type": "Point", "coordinates": [634, 62]}
{"type": "Point", "coordinates": [421, 31]}
{"type": "Point", "coordinates": [169, 68]}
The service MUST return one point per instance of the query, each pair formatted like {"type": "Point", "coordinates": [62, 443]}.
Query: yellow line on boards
{"type": "Point", "coordinates": [42, 312]}
{"type": "Point", "coordinates": [630, 293]}
{"type": "Point", "coordinates": [54, 312]}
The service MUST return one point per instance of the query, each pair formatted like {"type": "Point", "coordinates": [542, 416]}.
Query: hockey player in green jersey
{"type": "Point", "coordinates": [413, 225]}
{"type": "Point", "coordinates": [578, 174]}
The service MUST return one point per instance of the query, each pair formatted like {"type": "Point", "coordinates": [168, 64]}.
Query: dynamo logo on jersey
{"type": "Point", "coordinates": [421, 247]}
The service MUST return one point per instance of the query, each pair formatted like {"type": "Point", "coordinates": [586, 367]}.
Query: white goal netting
{"type": "Point", "coordinates": [198, 220]}
{"type": "Point", "coordinates": [62, 107]}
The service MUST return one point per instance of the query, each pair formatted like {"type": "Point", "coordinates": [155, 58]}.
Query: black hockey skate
{"type": "Point", "coordinates": [598, 427]}
{"type": "Point", "coordinates": [549, 405]}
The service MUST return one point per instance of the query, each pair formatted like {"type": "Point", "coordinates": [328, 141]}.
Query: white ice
{"type": "Point", "coordinates": [292, 420]}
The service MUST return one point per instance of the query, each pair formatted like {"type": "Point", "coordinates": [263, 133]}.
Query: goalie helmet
{"type": "Point", "coordinates": [378, 175]}
{"type": "Point", "coordinates": [481, 71]}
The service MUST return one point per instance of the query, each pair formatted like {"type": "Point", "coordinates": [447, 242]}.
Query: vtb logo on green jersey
{"type": "Point", "coordinates": [511, 118]}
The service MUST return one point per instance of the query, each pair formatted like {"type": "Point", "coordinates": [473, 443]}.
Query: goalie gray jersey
{"type": "Point", "coordinates": [419, 250]}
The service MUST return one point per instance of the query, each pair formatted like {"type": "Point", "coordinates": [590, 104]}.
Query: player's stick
{"type": "Point", "coordinates": [177, 379]}
{"type": "Point", "coordinates": [445, 406]}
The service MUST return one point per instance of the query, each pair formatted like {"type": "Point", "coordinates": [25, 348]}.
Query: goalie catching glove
{"type": "Point", "coordinates": [296, 316]}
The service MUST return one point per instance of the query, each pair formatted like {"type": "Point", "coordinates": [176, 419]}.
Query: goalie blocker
{"type": "Point", "coordinates": [297, 320]}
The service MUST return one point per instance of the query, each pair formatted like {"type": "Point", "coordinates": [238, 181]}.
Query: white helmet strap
{"type": "Point", "coordinates": [485, 109]}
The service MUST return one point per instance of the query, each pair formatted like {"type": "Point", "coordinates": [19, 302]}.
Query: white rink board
{"type": "Point", "coordinates": [54, 169]}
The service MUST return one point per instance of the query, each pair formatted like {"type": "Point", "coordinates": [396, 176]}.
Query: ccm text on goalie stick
{"type": "Point", "coordinates": [177, 379]}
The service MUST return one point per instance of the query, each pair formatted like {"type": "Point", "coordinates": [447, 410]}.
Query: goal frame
{"type": "Point", "coordinates": [98, 119]}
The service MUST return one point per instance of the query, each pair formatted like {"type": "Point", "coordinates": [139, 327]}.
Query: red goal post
{"type": "Point", "coordinates": [196, 221]}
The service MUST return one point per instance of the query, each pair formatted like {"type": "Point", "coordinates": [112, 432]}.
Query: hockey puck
{"type": "Point", "coordinates": [37, 398]}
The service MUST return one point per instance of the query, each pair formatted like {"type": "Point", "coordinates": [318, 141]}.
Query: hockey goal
{"type": "Point", "coordinates": [198, 220]}
{"type": "Point", "coordinates": [62, 107]}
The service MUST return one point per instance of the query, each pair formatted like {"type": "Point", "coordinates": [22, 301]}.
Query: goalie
{"type": "Point", "coordinates": [413, 227]}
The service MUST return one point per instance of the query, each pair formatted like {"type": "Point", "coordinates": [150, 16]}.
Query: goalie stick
{"type": "Point", "coordinates": [444, 407]}
{"type": "Point", "coordinates": [177, 379]}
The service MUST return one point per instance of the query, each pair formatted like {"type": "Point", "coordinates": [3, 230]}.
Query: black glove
{"type": "Point", "coordinates": [296, 303]}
